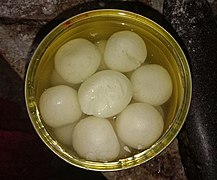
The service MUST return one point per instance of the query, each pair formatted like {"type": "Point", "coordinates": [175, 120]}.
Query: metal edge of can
{"type": "Point", "coordinates": [125, 163]}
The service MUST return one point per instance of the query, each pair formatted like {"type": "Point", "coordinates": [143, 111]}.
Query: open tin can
{"type": "Point", "coordinates": [97, 25]}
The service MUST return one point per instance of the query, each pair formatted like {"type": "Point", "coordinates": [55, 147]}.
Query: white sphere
{"type": "Point", "coordinates": [76, 60]}
{"type": "Point", "coordinates": [152, 84]}
{"type": "Point", "coordinates": [105, 94]}
{"type": "Point", "coordinates": [139, 125]}
{"type": "Point", "coordinates": [125, 51]}
{"type": "Point", "coordinates": [64, 134]}
{"type": "Point", "coordinates": [59, 106]}
{"type": "Point", "coordinates": [94, 139]}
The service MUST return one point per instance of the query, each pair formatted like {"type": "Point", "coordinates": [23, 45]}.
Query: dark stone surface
{"type": "Point", "coordinates": [195, 25]}
{"type": "Point", "coordinates": [40, 10]}
{"type": "Point", "coordinates": [163, 167]}
{"type": "Point", "coordinates": [137, 7]}
{"type": "Point", "coordinates": [12, 103]}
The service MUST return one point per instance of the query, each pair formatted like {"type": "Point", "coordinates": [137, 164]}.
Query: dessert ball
{"type": "Point", "coordinates": [76, 60]}
{"type": "Point", "coordinates": [139, 125]}
{"type": "Point", "coordinates": [94, 139]}
{"type": "Point", "coordinates": [125, 51]}
{"type": "Point", "coordinates": [151, 84]}
{"type": "Point", "coordinates": [105, 94]}
{"type": "Point", "coordinates": [59, 106]}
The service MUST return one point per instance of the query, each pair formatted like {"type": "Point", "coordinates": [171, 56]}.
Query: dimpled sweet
{"type": "Point", "coordinates": [139, 125]}
{"type": "Point", "coordinates": [152, 84]}
{"type": "Point", "coordinates": [125, 51]}
{"type": "Point", "coordinates": [105, 94]}
{"type": "Point", "coordinates": [76, 60]}
{"type": "Point", "coordinates": [94, 139]}
{"type": "Point", "coordinates": [59, 106]}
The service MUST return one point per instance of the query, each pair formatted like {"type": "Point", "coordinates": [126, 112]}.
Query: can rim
{"type": "Point", "coordinates": [124, 163]}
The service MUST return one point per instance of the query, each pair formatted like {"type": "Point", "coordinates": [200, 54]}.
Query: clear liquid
{"type": "Point", "coordinates": [158, 53]}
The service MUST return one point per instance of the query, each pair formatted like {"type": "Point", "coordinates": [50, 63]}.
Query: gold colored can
{"type": "Point", "coordinates": [99, 25]}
